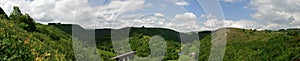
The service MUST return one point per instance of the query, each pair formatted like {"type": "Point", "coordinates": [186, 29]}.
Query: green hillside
{"type": "Point", "coordinates": [253, 45]}
{"type": "Point", "coordinates": [21, 39]}
{"type": "Point", "coordinates": [242, 44]}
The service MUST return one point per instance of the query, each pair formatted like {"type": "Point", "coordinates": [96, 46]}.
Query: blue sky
{"type": "Point", "coordinates": [231, 10]}
{"type": "Point", "coordinates": [237, 10]}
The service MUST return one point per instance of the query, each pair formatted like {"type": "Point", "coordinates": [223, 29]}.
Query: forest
{"type": "Point", "coordinates": [22, 39]}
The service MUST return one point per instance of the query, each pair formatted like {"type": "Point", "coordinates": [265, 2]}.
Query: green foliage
{"type": "Point", "coordinates": [16, 13]}
{"type": "Point", "coordinates": [261, 46]}
{"type": "Point", "coordinates": [293, 33]}
{"type": "Point", "coordinates": [2, 14]}
{"type": "Point", "coordinates": [281, 29]}
{"type": "Point", "coordinates": [30, 22]}
{"type": "Point", "coordinates": [242, 45]}
{"type": "Point", "coordinates": [19, 43]}
{"type": "Point", "coordinates": [25, 20]}
{"type": "Point", "coordinates": [140, 44]}
{"type": "Point", "coordinates": [106, 55]}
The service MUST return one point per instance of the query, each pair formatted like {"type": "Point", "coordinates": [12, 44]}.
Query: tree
{"type": "Point", "coordinates": [31, 24]}
{"type": "Point", "coordinates": [16, 13]}
{"type": "Point", "coordinates": [281, 29]}
{"type": "Point", "coordinates": [25, 21]}
{"type": "Point", "coordinates": [269, 31]}
{"type": "Point", "coordinates": [2, 14]}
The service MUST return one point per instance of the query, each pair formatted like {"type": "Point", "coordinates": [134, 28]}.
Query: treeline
{"type": "Point", "coordinates": [242, 44]}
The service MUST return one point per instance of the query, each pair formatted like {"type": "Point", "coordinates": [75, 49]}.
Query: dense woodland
{"type": "Point", "coordinates": [21, 38]}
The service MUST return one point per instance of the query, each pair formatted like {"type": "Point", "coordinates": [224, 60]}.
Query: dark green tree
{"type": "Point", "coordinates": [2, 14]}
{"type": "Point", "coordinates": [24, 21]}
{"type": "Point", "coordinates": [281, 29]}
{"type": "Point", "coordinates": [16, 13]}
{"type": "Point", "coordinates": [30, 22]}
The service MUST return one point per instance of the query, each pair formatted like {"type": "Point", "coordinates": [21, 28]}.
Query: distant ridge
{"type": "Point", "coordinates": [167, 33]}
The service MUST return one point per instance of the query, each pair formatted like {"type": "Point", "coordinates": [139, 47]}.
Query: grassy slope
{"type": "Point", "coordinates": [47, 43]}
{"type": "Point", "coordinates": [261, 45]}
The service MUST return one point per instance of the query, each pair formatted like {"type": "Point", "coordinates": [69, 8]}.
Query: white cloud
{"type": "Point", "coordinates": [183, 22]}
{"type": "Point", "coordinates": [159, 14]}
{"type": "Point", "coordinates": [112, 16]}
{"type": "Point", "coordinates": [186, 22]}
{"type": "Point", "coordinates": [277, 13]}
{"type": "Point", "coordinates": [212, 23]}
{"type": "Point", "coordinates": [115, 8]}
{"type": "Point", "coordinates": [71, 11]}
{"type": "Point", "coordinates": [106, 16]}
{"type": "Point", "coordinates": [181, 3]}
{"type": "Point", "coordinates": [109, 15]}
{"type": "Point", "coordinates": [231, 1]}
{"type": "Point", "coordinates": [186, 16]}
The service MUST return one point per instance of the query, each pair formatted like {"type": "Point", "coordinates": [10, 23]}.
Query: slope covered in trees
{"type": "Point", "coordinates": [242, 44]}
{"type": "Point", "coordinates": [21, 39]}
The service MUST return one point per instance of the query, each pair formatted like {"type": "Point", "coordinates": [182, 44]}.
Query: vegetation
{"type": "Point", "coordinates": [23, 39]}
{"type": "Point", "coordinates": [2, 14]}
{"type": "Point", "coordinates": [262, 45]}
{"type": "Point", "coordinates": [242, 44]}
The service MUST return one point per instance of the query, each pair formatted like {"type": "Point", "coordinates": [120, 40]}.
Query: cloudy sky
{"type": "Point", "coordinates": [180, 15]}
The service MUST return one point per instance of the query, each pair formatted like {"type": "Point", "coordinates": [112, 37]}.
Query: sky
{"type": "Point", "coordinates": [179, 15]}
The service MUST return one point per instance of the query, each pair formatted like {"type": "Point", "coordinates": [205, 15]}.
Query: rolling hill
{"type": "Point", "coordinates": [242, 44]}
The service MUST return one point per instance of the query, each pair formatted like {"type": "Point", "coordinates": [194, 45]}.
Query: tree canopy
{"type": "Point", "coordinates": [16, 12]}
{"type": "Point", "coordinates": [2, 14]}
